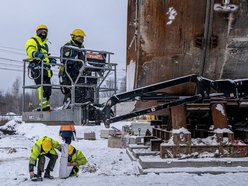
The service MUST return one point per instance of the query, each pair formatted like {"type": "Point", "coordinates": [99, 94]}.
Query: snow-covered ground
{"type": "Point", "coordinates": [107, 166]}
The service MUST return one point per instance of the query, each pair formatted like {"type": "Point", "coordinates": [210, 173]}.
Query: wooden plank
{"type": "Point", "coordinates": [178, 117]}
{"type": "Point", "coordinates": [219, 116]}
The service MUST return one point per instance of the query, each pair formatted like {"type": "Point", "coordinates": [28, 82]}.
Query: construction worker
{"type": "Point", "coordinates": [37, 51]}
{"type": "Point", "coordinates": [73, 67]}
{"type": "Point", "coordinates": [67, 132]}
{"type": "Point", "coordinates": [75, 159]}
{"type": "Point", "coordinates": [43, 147]}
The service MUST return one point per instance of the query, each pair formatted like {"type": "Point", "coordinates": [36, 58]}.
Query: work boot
{"type": "Point", "coordinates": [37, 177]}
{"type": "Point", "coordinates": [39, 173]}
{"type": "Point", "coordinates": [43, 109]}
{"type": "Point", "coordinates": [47, 175]}
{"type": "Point", "coordinates": [46, 109]}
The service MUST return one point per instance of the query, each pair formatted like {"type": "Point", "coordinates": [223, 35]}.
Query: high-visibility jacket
{"type": "Point", "coordinates": [35, 44]}
{"type": "Point", "coordinates": [77, 157]}
{"type": "Point", "coordinates": [72, 54]}
{"type": "Point", "coordinates": [70, 127]}
{"type": "Point", "coordinates": [37, 149]}
{"type": "Point", "coordinates": [67, 130]}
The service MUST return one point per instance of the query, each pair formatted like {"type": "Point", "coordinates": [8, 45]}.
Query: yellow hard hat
{"type": "Point", "coordinates": [70, 149]}
{"type": "Point", "coordinates": [78, 33]}
{"type": "Point", "coordinates": [47, 144]}
{"type": "Point", "coordinates": [41, 27]}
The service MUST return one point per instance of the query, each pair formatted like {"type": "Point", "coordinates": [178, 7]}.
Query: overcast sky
{"type": "Point", "coordinates": [104, 22]}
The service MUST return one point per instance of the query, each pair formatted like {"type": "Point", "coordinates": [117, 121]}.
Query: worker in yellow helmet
{"type": "Point", "coordinates": [76, 158]}
{"type": "Point", "coordinates": [37, 51]}
{"type": "Point", "coordinates": [43, 147]}
{"type": "Point", "coordinates": [72, 66]}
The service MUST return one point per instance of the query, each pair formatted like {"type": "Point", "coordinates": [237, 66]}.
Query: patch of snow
{"type": "Point", "coordinates": [180, 131]}
{"type": "Point", "coordinates": [131, 75]}
{"type": "Point", "coordinates": [220, 108]}
{"type": "Point", "coordinates": [172, 15]}
{"type": "Point", "coordinates": [169, 143]}
{"type": "Point", "coordinates": [224, 130]}
{"type": "Point", "coordinates": [10, 116]}
{"type": "Point", "coordinates": [106, 166]}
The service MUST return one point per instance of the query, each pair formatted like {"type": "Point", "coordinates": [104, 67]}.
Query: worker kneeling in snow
{"type": "Point", "coordinates": [75, 159]}
{"type": "Point", "coordinates": [44, 146]}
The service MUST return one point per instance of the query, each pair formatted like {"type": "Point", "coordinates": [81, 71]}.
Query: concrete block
{"type": "Point", "coordinates": [115, 142]}
{"type": "Point", "coordinates": [132, 140]}
{"type": "Point", "coordinates": [136, 146]}
{"type": "Point", "coordinates": [155, 144]}
{"type": "Point", "coordinates": [143, 152]}
{"type": "Point", "coordinates": [148, 162]}
{"type": "Point", "coordinates": [90, 136]}
{"type": "Point", "coordinates": [106, 132]}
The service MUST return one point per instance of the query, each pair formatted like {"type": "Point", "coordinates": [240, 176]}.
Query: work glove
{"type": "Point", "coordinates": [53, 61]}
{"type": "Point", "coordinates": [39, 55]}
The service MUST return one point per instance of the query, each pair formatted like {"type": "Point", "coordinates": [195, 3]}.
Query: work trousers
{"type": "Point", "coordinates": [47, 90]}
{"type": "Point", "coordinates": [42, 161]}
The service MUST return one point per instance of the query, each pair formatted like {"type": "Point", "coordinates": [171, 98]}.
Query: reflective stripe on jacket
{"type": "Point", "coordinates": [70, 127]}
{"type": "Point", "coordinates": [70, 53]}
{"type": "Point", "coordinates": [37, 149]}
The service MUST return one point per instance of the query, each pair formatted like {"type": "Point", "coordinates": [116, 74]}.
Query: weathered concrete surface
{"type": "Point", "coordinates": [194, 170]}
{"type": "Point", "coordinates": [106, 132]}
{"type": "Point", "coordinates": [148, 162]}
{"type": "Point", "coordinates": [135, 146]}
{"type": "Point", "coordinates": [115, 142]}
{"type": "Point", "coordinates": [144, 152]}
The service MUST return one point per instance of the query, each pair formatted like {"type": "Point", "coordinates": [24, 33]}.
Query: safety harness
{"type": "Point", "coordinates": [35, 66]}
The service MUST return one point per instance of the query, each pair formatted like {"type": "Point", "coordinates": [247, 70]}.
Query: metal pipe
{"type": "Point", "coordinates": [207, 34]}
{"type": "Point", "coordinates": [42, 87]}
{"type": "Point", "coordinates": [115, 86]}
{"type": "Point", "coordinates": [137, 43]}
{"type": "Point", "coordinates": [23, 86]}
{"type": "Point", "coordinates": [88, 50]}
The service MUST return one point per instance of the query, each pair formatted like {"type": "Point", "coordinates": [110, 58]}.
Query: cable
{"type": "Point", "coordinates": [10, 69]}
{"type": "Point", "coordinates": [19, 53]}
{"type": "Point", "coordinates": [7, 59]}
{"type": "Point", "coordinates": [12, 48]}
{"type": "Point", "coordinates": [12, 65]}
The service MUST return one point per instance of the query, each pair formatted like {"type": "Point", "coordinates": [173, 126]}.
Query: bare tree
{"type": "Point", "coordinates": [109, 83]}
{"type": "Point", "coordinates": [16, 87]}
{"type": "Point", "coordinates": [56, 99]}
{"type": "Point", "coordinates": [122, 85]}
{"type": "Point", "coordinates": [2, 103]}
{"type": "Point", "coordinates": [16, 96]}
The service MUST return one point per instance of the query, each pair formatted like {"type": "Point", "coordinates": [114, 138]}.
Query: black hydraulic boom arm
{"type": "Point", "coordinates": [155, 108]}
{"type": "Point", "coordinates": [228, 88]}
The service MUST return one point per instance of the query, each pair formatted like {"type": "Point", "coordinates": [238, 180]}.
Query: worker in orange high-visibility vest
{"type": "Point", "coordinates": [67, 132]}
